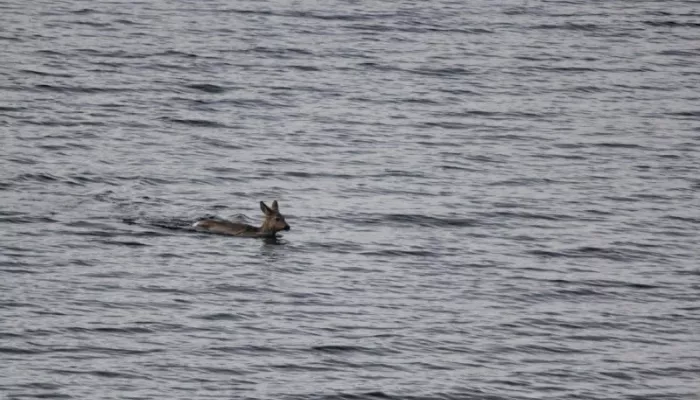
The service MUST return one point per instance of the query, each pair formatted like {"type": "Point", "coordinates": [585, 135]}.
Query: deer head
{"type": "Point", "coordinates": [274, 221]}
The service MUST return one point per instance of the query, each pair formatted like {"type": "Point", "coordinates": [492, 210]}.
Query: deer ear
{"type": "Point", "coordinates": [265, 209]}
{"type": "Point", "coordinates": [275, 206]}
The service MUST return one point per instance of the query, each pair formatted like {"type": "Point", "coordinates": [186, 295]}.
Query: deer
{"type": "Point", "coordinates": [273, 223]}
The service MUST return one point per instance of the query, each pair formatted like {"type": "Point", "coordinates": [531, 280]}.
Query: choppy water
{"type": "Point", "coordinates": [488, 200]}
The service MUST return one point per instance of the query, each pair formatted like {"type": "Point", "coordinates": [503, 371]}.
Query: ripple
{"type": "Point", "coordinates": [486, 202]}
{"type": "Point", "coordinates": [208, 88]}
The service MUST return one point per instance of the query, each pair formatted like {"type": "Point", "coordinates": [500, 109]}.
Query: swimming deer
{"type": "Point", "coordinates": [273, 223]}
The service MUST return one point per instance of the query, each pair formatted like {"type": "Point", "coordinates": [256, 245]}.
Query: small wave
{"type": "Point", "coordinates": [84, 11]}
{"type": "Point", "coordinates": [303, 14]}
{"type": "Point", "coordinates": [607, 253]}
{"type": "Point", "coordinates": [549, 68]}
{"type": "Point", "coordinates": [569, 26]}
{"type": "Point", "coordinates": [17, 350]}
{"type": "Point", "coordinates": [411, 220]}
{"type": "Point", "coordinates": [446, 125]}
{"type": "Point", "coordinates": [693, 114]}
{"type": "Point", "coordinates": [330, 17]}
{"type": "Point", "coordinates": [10, 108]}
{"type": "Point", "coordinates": [51, 52]}
{"type": "Point", "coordinates": [463, 31]}
{"type": "Point", "coordinates": [247, 349]}
{"type": "Point", "coordinates": [112, 54]}
{"type": "Point", "coordinates": [342, 349]}
{"type": "Point", "coordinates": [692, 220]}
{"type": "Point", "coordinates": [618, 145]}
{"type": "Point", "coordinates": [93, 24]}
{"type": "Point", "coordinates": [529, 215]}
{"type": "Point", "coordinates": [28, 219]}
{"type": "Point", "coordinates": [176, 53]}
{"type": "Point", "coordinates": [523, 182]}
{"type": "Point", "coordinates": [201, 123]}
{"type": "Point", "coordinates": [588, 89]}
{"type": "Point", "coordinates": [127, 22]}
{"type": "Point", "coordinates": [127, 243]}
{"type": "Point", "coordinates": [300, 174]}
{"type": "Point", "coordinates": [219, 143]}
{"type": "Point", "coordinates": [130, 329]}
{"type": "Point", "coordinates": [547, 253]}
{"type": "Point", "coordinates": [622, 284]}
{"type": "Point", "coordinates": [375, 395]}
{"type": "Point", "coordinates": [523, 10]}
{"type": "Point", "coordinates": [45, 386]}
{"type": "Point", "coordinates": [252, 103]}
{"type": "Point", "coordinates": [673, 24]}
{"type": "Point", "coordinates": [400, 253]}
{"type": "Point", "coordinates": [22, 271]}
{"type": "Point", "coordinates": [287, 53]}
{"type": "Point", "coordinates": [597, 252]}
{"type": "Point", "coordinates": [418, 101]}
{"type": "Point", "coordinates": [102, 374]}
{"type": "Point", "coordinates": [459, 168]}
{"type": "Point", "coordinates": [80, 89]}
{"type": "Point", "coordinates": [457, 71]}
{"type": "Point", "coordinates": [38, 177]}
{"type": "Point", "coordinates": [44, 73]}
{"type": "Point", "coordinates": [539, 349]}
{"type": "Point", "coordinates": [231, 288]}
{"type": "Point", "coordinates": [307, 68]}
{"type": "Point", "coordinates": [208, 88]}
{"type": "Point", "coordinates": [45, 177]}
{"type": "Point", "coordinates": [161, 289]}
{"type": "Point", "coordinates": [220, 317]}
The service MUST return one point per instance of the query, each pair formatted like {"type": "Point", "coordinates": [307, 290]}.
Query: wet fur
{"type": "Point", "coordinates": [273, 223]}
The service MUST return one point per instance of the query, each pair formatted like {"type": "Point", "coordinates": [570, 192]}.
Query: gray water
{"type": "Point", "coordinates": [488, 200]}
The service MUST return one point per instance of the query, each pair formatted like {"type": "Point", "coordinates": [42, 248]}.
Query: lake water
{"type": "Point", "coordinates": [488, 200]}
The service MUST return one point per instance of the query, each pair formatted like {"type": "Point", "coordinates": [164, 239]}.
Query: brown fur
{"type": "Point", "coordinates": [273, 223]}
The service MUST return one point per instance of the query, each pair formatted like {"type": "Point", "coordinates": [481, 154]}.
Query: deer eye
{"type": "Point", "coordinates": [277, 219]}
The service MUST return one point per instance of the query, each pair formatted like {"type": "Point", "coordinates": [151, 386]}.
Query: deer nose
{"type": "Point", "coordinates": [286, 227]}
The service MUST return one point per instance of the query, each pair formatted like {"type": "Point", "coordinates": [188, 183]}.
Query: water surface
{"type": "Point", "coordinates": [488, 200]}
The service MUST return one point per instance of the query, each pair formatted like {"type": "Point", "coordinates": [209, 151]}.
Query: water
{"type": "Point", "coordinates": [488, 200]}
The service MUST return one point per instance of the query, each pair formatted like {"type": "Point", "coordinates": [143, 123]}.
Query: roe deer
{"type": "Point", "coordinates": [273, 223]}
